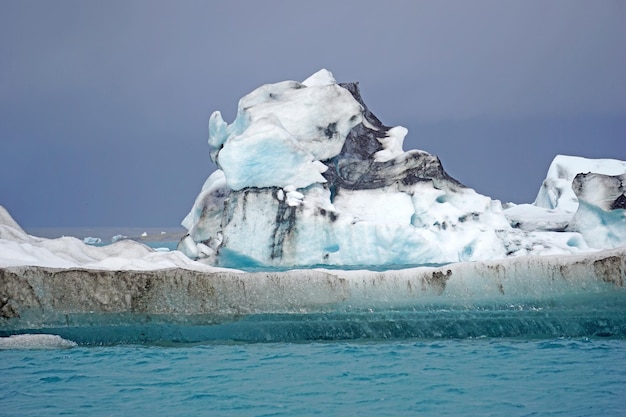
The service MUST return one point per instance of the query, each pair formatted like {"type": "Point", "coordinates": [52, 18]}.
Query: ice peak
{"type": "Point", "coordinates": [320, 78]}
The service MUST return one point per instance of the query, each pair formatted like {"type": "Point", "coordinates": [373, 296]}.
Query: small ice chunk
{"type": "Point", "coordinates": [35, 341]}
{"type": "Point", "coordinates": [92, 240]}
{"type": "Point", "coordinates": [118, 237]}
{"type": "Point", "coordinates": [188, 247]}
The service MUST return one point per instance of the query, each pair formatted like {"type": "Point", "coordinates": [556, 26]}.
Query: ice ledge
{"type": "Point", "coordinates": [40, 297]}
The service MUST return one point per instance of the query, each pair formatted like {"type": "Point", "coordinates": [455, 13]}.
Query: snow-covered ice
{"type": "Point", "coordinates": [579, 195]}
{"type": "Point", "coordinates": [309, 176]}
{"type": "Point", "coordinates": [556, 190]}
{"type": "Point", "coordinates": [17, 248]}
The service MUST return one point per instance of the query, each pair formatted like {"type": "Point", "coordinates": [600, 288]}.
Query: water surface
{"type": "Point", "coordinates": [556, 377]}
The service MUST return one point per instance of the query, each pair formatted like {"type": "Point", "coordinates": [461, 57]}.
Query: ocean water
{"type": "Point", "coordinates": [449, 377]}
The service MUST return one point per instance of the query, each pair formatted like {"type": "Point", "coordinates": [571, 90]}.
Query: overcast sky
{"type": "Point", "coordinates": [104, 104]}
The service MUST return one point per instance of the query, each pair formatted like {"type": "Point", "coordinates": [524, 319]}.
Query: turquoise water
{"type": "Point", "coordinates": [474, 377]}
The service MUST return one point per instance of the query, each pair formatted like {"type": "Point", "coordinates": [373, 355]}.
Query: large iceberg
{"type": "Point", "coordinates": [310, 181]}
{"type": "Point", "coordinates": [308, 176]}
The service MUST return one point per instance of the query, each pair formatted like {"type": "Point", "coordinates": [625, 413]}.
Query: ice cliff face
{"type": "Point", "coordinates": [529, 296]}
{"type": "Point", "coordinates": [309, 176]}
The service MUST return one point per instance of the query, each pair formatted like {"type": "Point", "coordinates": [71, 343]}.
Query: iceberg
{"type": "Point", "coordinates": [308, 176]}
{"type": "Point", "coordinates": [601, 213]}
{"type": "Point", "coordinates": [118, 237]}
{"type": "Point", "coordinates": [317, 225]}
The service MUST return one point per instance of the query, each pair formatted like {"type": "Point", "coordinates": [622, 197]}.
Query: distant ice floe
{"type": "Point", "coordinates": [118, 237]}
{"type": "Point", "coordinates": [92, 240]}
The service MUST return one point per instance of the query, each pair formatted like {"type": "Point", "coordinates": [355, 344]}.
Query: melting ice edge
{"type": "Point", "coordinates": [533, 297]}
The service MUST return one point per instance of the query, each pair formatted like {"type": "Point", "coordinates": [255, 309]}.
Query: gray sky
{"type": "Point", "coordinates": [104, 105]}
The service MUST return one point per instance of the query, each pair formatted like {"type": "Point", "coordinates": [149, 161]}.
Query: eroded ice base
{"type": "Point", "coordinates": [551, 296]}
